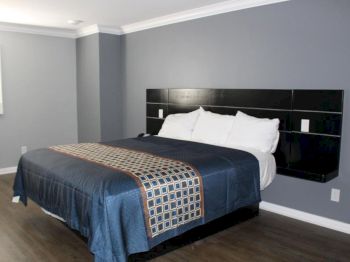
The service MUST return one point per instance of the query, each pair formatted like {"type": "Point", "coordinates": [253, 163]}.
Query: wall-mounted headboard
{"type": "Point", "coordinates": [312, 155]}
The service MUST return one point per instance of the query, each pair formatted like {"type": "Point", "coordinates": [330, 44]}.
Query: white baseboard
{"type": "Point", "coordinates": [8, 170]}
{"type": "Point", "coordinates": [306, 217]}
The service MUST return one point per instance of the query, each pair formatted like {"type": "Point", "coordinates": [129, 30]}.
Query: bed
{"type": "Point", "coordinates": [124, 208]}
{"type": "Point", "coordinates": [128, 196]}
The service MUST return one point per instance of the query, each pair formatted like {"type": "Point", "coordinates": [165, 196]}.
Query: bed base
{"type": "Point", "coordinates": [195, 234]}
{"type": "Point", "coordinates": [236, 217]}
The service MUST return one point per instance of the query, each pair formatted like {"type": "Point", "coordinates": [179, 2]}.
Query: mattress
{"type": "Point", "coordinates": [267, 166]}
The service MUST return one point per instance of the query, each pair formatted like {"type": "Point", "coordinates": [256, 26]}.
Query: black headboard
{"type": "Point", "coordinates": [312, 155]}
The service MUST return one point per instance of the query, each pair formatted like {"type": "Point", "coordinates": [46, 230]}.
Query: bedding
{"type": "Point", "coordinates": [212, 128]}
{"type": "Point", "coordinates": [252, 132]}
{"type": "Point", "coordinates": [129, 195]}
{"type": "Point", "coordinates": [180, 126]}
{"type": "Point", "coordinates": [267, 165]}
{"type": "Point", "coordinates": [271, 125]}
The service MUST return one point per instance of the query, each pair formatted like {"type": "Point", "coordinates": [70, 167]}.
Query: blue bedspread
{"type": "Point", "coordinates": [111, 208]}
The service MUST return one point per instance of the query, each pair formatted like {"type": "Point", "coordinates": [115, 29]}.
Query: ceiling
{"type": "Point", "coordinates": [50, 17]}
{"type": "Point", "coordinates": [112, 13]}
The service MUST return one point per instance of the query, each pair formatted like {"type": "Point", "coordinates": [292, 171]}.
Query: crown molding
{"type": "Point", "coordinates": [87, 30]}
{"type": "Point", "coordinates": [94, 29]}
{"type": "Point", "coordinates": [58, 32]}
{"type": "Point", "coordinates": [110, 30]}
{"type": "Point", "coordinates": [37, 30]}
{"type": "Point", "coordinates": [209, 10]}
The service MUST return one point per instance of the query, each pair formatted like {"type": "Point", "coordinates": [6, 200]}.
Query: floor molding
{"type": "Point", "coordinates": [306, 217]}
{"type": "Point", "coordinates": [8, 170]}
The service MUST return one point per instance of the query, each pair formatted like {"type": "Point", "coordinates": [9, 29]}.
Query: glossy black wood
{"type": "Point", "coordinates": [315, 154]}
{"type": "Point", "coordinates": [322, 123]}
{"type": "Point", "coordinates": [307, 174]}
{"type": "Point", "coordinates": [191, 96]}
{"type": "Point", "coordinates": [157, 95]}
{"type": "Point", "coordinates": [152, 110]}
{"type": "Point", "coordinates": [247, 98]}
{"type": "Point", "coordinates": [282, 153]}
{"type": "Point", "coordinates": [153, 125]}
{"type": "Point", "coordinates": [309, 156]}
{"type": "Point", "coordinates": [318, 100]}
{"type": "Point", "coordinates": [179, 108]}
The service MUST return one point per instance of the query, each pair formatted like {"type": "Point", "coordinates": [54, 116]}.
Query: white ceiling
{"type": "Point", "coordinates": [49, 17]}
{"type": "Point", "coordinates": [112, 13]}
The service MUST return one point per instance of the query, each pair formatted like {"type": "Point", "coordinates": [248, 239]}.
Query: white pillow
{"type": "Point", "coordinates": [259, 133]}
{"type": "Point", "coordinates": [212, 128]}
{"type": "Point", "coordinates": [180, 126]}
{"type": "Point", "coordinates": [275, 125]}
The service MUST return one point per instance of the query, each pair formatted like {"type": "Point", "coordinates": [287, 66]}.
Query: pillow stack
{"type": "Point", "coordinates": [258, 133]}
{"type": "Point", "coordinates": [241, 130]}
{"type": "Point", "coordinates": [212, 128]}
{"type": "Point", "coordinates": [180, 126]}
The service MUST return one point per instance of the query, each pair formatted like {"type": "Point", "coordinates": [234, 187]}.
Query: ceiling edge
{"type": "Point", "coordinates": [37, 30]}
{"type": "Point", "coordinates": [209, 10]}
{"type": "Point", "coordinates": [205, 11]}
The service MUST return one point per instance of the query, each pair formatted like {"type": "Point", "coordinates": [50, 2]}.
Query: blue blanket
{"type": "Point", "coordinates": [124, 207]}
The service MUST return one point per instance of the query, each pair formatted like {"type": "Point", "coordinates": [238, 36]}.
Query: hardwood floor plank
{"type": "Point", "coordinates": [27, 234]}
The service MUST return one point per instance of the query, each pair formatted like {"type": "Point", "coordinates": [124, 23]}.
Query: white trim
{"type": "Point", "coordinates": [8, 170]}
{"type": "Point", "coordinates": [58, 32]}
{"type": "Point", "coordinates": [94, 29]}
{"type": "Point", "coordinates": [306, 217]}
{"type": "Point", "coordinates": [110, 30]}
{"type": "Point", "coordinates": [1, 96]}
{"type": "Point", "coordinates": [208, 10]}
{"type": "Point", "coordinates": [38, 30]}
{"type": "Point", "coordinates": [87, 30]}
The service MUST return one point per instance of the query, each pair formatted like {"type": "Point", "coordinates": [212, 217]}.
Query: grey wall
{"type": "Point", "coordinates": [99, 88]}
{"type": "Point", "coordinates": [110, 87]}
{"type": "Point", "coordinates": [88, 88]}
{"type": "Point", "coordinates": [297, 44]}
{"type": "Point", "coordinates": [39, 93]}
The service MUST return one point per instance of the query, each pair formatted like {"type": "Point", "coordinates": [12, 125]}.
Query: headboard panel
{"type": "Point", "coordinates": [312, 155]}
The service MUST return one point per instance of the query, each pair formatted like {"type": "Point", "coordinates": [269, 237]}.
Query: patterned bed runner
{"type": "Point", "coordinates": [171, 190]}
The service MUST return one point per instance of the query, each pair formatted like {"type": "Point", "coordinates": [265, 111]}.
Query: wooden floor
{"type": "Point", "coordinates": [26, 234]}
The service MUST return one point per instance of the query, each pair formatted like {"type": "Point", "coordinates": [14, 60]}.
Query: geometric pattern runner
{"type": "Point", "coordinates": [171, 190]}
